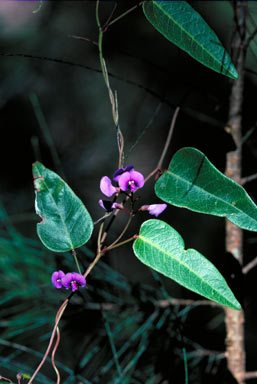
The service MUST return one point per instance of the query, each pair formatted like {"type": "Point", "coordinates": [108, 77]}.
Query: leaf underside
{"type": "Point", "coordinates": [184, 27]}
{"type": "Point", "coordinates": [162, 248]}
{"type": "Point", "coordinates": [193, 182]}
{"type": "Point", "coordinates": [66, 223]}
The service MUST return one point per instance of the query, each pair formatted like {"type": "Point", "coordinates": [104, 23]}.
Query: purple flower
{"type": "Point", "coordinates": [117, 174]}
{"type": "Point", "coordinates": [154, 209]}
{"type": "Point", "coordinates": [109, 206]}
{"type": "Point", "coordinates": [57, 279]}
{"type": "Point", "coordinates": [131, 180]}
{"type": "Point", "coordinates": [73, 280]}
{"type": "Point", "coordinates": [106, 205]}
{"type": "Point", "coordinates": [106, 186]}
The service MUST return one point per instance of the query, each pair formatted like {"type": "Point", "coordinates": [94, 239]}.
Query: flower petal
{"type": "Point", "coordinates": [106, 205]}
{"type": "Point", "coordinates": [156, 209]}
{"type": "Point", "coordinates": [106, 186]}
{"type": "Point", "coordinates": [67, 279]}
{"type": "Point", "coordinates": [120, 171]}
{"type": "Point", "coordinates": [80, 279]}
{"type": "Point", "coordinates": [71, 278]}
{"type": "Point", "coordinates": [74, 286]}
{"type": "Point", "coordinates": [138, 178]}
{"type": "Point", "coordinates": [57, 279]}
{"type": "Point", "coordinates": [124, 181]}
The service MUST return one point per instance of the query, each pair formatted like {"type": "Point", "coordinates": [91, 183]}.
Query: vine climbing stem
{"type": "Point", "coordinates": [235, 350]}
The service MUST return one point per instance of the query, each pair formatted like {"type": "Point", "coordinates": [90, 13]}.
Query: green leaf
{"type": "Point", "coordinates": [193, 182]}
{"type": "Point", "coordinates": [183, 26]}
{"type": "Point", "coordinates": [162, 248]}
{"type": "Point", "coordinates": [66, 224]}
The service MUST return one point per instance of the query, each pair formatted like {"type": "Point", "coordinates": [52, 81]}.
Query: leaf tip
{"type": "Point", "coordinates": [36, 164]}
{"type": "Point", "coordinates": [35, 169]}
{"type": "Point", "coordinates": [232, 72]}
{"type": "Point", "coordinates": [235, 75]}
{"type": "Point", "coordinates": [237, 306]}
{"type": "Point", "coordinates": [234, 304]}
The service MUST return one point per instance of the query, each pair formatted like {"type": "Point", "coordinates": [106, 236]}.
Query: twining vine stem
{"type": "Point", "coordinates": [57, 320]}
{"type": "Point", "coordinates": [53, 356]}
{"type": "Point", "coordinates": [166, 146]}
{"type": "Point", "coordinates": [168, 140]}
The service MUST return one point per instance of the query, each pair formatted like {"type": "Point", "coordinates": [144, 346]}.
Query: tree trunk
{"type": "Point", "coordinates": [234, 320]}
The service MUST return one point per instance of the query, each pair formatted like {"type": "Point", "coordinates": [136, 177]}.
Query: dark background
{"type": "Point", "coordinates": [40, 58]}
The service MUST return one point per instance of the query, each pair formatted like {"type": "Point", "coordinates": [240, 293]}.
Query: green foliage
{"type": "Point", "coordinates": [66, 223]}
{"type": "Point", "coordinates": [29, 307]}
{"type": "Point", "coordinates": [193, 182]}
{"type": "Point", "coordinates": [25, 278]}
{"type": "Point", "coordinates": [184, 27]}
{"type": "Point", "coordinates": [162, 248]}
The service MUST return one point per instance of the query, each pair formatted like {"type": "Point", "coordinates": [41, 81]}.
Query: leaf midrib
{"type": "Point", "coordinates": [62, 220]}
{"type": "Point", "coordinates": [182, 263]}
{"type": "Point", "coordinates": [191, 36]}
{"type": "Point", "coordinates": [212, 195]}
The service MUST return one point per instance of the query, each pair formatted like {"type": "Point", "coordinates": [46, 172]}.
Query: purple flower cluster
{"type": "Point", "coordinates": [128, 180]}
{"type": "Point", "coordinates": [69, 280]}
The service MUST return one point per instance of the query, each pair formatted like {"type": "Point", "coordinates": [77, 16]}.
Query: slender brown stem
{"type": "Point", "coordinates": [117, 211]}
{"type": "Point", "coordinates": [250, 38]}
{"type": "Point", "coordinates": [109, 248]}
{"type": "Point", "coordinates": [166, 146]}
{"type": "Point", "coordinates": [103, 218]}
{"type": "Point", "coordinates": [172, 301]}
{"type": "Point", "coordinates": [247, 179]}
{"type": "Point", "coordinates": [112, 96]}
{"type": "Point", "coordinates": [53, 356]}
{"type": "Point", "coordinates": [84, 39]}
{"type": "Point", "coordinates": [121, 147]}
{"type": "Point", "coordinates": [94, 262]}
{"type": "Point", "coordinates": [6, 379]}
{"type": "Point", "coordinates": [168, 140]}
{"type": "Point", "coordinates": [249, 266]}
{"type": "Point", "coordinates": [151, 174]}
{"type": "Point", "coordinates": [158, 303]}
{"type": "Point", "coordinates": [122, 233]}
{"type": "Point", "coordinates": [109, 18]}
{"type": "Point", "coordinates": [74, 254]}
{"type": "Point", "coordinates": [122, 15]}
{"type": "Point", "coordinates": [58, 318]}
{"type": "Point", "coordinates": [250, 375]}
{"type": "Point", "coordinates": [99, 238]}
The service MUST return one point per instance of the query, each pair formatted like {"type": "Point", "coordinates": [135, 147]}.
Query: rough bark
{"type": "Point", "coordinates": [234, 320]}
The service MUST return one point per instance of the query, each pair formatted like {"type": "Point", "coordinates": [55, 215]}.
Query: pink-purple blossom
{"type": "Point", "coordinates": [106, 186]}
{"type": "Point", "coordinates": [73, 280]}
{"type": "Point", "coordinates": [106, 205]}
{"type": "Point", "coordinates": [57, 279]}
{"type": "Point", "coordinates": [69, 280]}
{"type": "Point", "coordinates": [127, 178]}
{"type": "Point", "coordinates": [109, 206]}
{"type": "Point", "coordinates": [154, 209]}
{"type": "Point", "coordinates": [131, 180]}
{"type": "Point", "coordinates": [117, 174]}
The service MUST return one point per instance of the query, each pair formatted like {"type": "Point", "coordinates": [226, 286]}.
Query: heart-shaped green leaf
{"type": "Point", "coordinates": [184, 27]}
{"type": "Point", "coordinates": [193, 182]}
{"type": "Point", "coordinates": [162, 248]}
{"type": "Point", "coordinates": [66, 224]}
